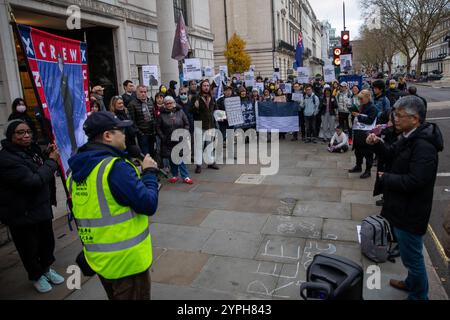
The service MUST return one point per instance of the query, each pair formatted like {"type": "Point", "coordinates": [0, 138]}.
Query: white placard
{"type": "Point", "coordinates": [329, 74]}
{"type": "Point", "coordinates": [192, 69]}
{"type": "Point", "coordinates": [303, 74]}
{"type": "Point", "coordinates": [346, 62]}
{"type": "Point", "coordinates": [287, 88]}
{"type": "Point", "coordinates": [223, 70]}
{"type": "Point", "coordinates": [234, 111]}
{"type": "Point", "coordinates": [209, 72]}
{"type": "Point", "coordinates": [276, 76]}
{"type": "Point", "coordinates": [150, 76]}
{"type": "Point", "coordinates": [249, 79]}
{"type": "Point", "coordinates": [297, 97]}
{"type": "Point", "coordinates": [260, 87]}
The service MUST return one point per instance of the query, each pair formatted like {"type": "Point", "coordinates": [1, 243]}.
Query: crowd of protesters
{"type": "Point", "coordinates": [382, 118]}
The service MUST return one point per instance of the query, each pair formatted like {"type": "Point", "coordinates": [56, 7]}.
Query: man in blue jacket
{"type": "Point", "coordinates": [123, 205]}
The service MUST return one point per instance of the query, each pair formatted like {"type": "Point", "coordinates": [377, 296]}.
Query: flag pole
{"type": "Point", "coordinates": [47, 128]}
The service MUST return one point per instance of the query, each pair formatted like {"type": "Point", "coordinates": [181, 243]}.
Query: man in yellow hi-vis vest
{"type": "Point", "coordinates": [112, 201]}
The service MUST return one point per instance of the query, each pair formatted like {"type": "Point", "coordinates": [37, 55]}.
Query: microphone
{"type": "Point", "coordinates": [136, 153]}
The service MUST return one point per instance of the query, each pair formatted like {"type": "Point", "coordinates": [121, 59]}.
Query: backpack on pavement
{"type": "Point", "coordinates": [377, 240]}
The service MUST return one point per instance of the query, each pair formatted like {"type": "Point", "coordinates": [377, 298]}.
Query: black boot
{"type": "Point", "coordinates": [366, 174]}
{"type": "Point", "coordinates": [198, 169]}
{"type": "Point", "coordinates": [356, 169]}
{"type": "Point", "coordinates": [213, 166]}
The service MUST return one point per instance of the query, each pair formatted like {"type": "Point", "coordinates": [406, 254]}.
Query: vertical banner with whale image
{"type": "Point", "coordinates": [60, 74]}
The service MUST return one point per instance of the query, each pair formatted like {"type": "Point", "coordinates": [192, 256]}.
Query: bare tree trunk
{"type": "Point", "coordinates": [408, 64]}
{"type": "Point", "coordinates": [419, 64]}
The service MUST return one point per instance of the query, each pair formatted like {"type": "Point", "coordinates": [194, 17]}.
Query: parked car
{"type": "Point", "coordinates": [432, 76]}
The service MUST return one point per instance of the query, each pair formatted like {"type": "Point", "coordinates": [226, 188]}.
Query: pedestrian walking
{"type": "Point", "coordinates": [27, 193]}
{"type": "Point", "coordinates": [112, 201]}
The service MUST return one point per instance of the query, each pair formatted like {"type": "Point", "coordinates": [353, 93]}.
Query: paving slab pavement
{"type": "Point", "coordinates": [221, 240]}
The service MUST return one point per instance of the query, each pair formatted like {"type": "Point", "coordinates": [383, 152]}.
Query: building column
{"type": "Point", "coordinates": [10, 84]}
{"type": "Point", "coordinates": [166, 34]}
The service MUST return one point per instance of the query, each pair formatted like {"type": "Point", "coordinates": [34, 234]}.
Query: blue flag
{"type": "Point", "coordinates": [281, 116]}
{"type": "Point", "coordinates": [299, 52]}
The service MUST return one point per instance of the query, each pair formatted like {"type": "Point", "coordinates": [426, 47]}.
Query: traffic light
{"type": "Point", "coordinates": [337, 56]}
{"type": "Point", "coordinates": [345, 42]}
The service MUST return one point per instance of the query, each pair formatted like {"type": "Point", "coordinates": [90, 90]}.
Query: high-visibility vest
{"type": "Point", "coordinates": [116, 240]}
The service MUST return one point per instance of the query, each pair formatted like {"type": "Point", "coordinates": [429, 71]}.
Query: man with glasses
{"type": "Point", "coordinates": [408, 187]}
{"type": "Point", "coordinates": [111, 204]}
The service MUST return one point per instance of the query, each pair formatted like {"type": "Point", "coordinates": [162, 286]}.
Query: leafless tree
{"type": "Point", "coordinates": [411, 22]}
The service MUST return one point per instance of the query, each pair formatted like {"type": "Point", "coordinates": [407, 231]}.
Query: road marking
{"type": "Point", "coordinates": [439, 245]}
{"type": "Point", "coordinates": [437, 119]}
{"type": "Point", "coordinates": [445, 174]}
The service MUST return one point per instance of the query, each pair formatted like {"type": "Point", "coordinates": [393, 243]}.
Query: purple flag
{"type": "Point", "coordinates": [180, 43]}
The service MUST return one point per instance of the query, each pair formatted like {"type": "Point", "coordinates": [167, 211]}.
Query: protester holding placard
{"type": "Point", "coordinates": [298, 97]}
{"type": "Point", "coordinates": [223, 125]}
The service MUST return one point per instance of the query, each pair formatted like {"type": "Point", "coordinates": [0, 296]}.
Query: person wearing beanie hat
{"type": "Point", "coordinates": [27, 193]}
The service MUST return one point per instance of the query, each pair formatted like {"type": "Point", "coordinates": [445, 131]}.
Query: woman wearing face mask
{"type": "Point", "coordinates": [27, 193]}
{"type": "Point", "coordinates": [186, 106]}
{"type": "Point", "coordinates": [19, 112]}
{"type": "Point", "coordinates": [117, 106]}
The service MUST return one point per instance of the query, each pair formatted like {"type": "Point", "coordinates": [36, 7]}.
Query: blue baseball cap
{"type": "Point", "coordinates": [99, 122]}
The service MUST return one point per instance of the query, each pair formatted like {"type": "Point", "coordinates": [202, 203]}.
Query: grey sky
{"type": "Point", "coordinates": [331, 10]}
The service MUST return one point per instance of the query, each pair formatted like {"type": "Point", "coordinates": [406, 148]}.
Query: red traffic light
{"type": "Point", "coordinates": [345, 38]}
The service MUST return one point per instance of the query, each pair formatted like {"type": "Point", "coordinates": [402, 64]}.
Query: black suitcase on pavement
{"type": "Point", "coordinates": [330, 277]}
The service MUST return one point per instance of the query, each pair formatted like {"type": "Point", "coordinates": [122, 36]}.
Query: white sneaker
{"type": "Point", "coordinates": [54, 277]}
{"type": "Point", "coordinates": [42, 285]}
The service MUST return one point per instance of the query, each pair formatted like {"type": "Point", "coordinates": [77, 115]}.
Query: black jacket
{"type": "Point", "coordinates": [205, 112]}
{"type": "Point", "coordinates": [127, 98]}
{"type": "Point", "coordinates": [408, 186]}
{"type": "Point", "coordinates": [333, 106]}
{"type": "Point", "coordinates": [368, 115]}
{"type": "Point", "coordinates": [27, 185]}
{"type": "Point", "coordinates": [142, 114]}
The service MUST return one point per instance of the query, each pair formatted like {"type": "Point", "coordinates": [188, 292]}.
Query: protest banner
{"type": "Point", "coordinates": [209, 72]}
{"type": "Point", "coordinates": [192, 69]}
{"type": "Point", "coordinates": [304, 74]}
{"type": "Point", "coordinates": [278, 116]}
{"type": "Point", "coordinates": [329, 73]}
{"type": "Point", "coordinates": [260, 87]}
{"type": "Point", "coordinates": [150, 76]}
{"type": "Point", "coordinates": [346, 62]}
{"type": "Point", "coordinates": [60, 75]}
{"type": "Point", "coordinates": [234, 111]}
{"type": "Point", "coordinates": [287, 88]}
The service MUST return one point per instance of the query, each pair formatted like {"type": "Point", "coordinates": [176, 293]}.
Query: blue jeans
{"type": "Point", "coordinates": [411, 252]}
{"type": "Point", "coordinates": [174, 168]}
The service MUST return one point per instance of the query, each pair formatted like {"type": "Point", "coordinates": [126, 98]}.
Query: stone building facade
{"type": "Point", "coordinates": [122, 35]}
{"type": "Point", "coordinates": [270, 28]}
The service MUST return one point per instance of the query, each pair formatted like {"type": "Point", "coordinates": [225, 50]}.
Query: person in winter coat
{"type": "Point", "coordinates": [365, 121]}
{"type": "Point", "coordinates": [298, 91]}
{"type": "Point", "coordinates": [328, 109]}
{"type": "Point", "coordinates": [381, 102]}
{"type": "Point", "coordinates": [171, 119]}
{"type": "Point", "coordinates": [141, 112]}
{"type": "Point", "coordinates": [172, 89]}
{"type": "Point", "coordinates": [99, 93]}
{"type": "Point", "coordinates": [311, 109]}
{"type": "Point", "coordinates": [394, 94]}
{"type": "Point", "coordinates": [203, 111]}
{"type": "Point", "coordinates": [117, 106]}
{"type": "Point", "coordinates": [344, 101]}
{"type": "Point", "coordinates": [19, 111]}
{"type": "Point", "coordinates": [408, 188]}
{"type": "Point", "coordinates": [27, 193]}
{"type": "Point", "coordinates": [186, 106]}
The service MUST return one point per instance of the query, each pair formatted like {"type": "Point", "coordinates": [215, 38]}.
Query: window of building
{"type": "Point", "coordinates": [180, 7]}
